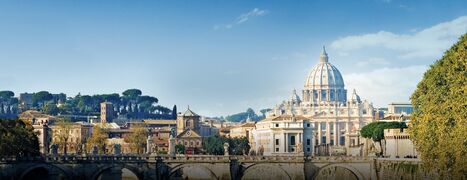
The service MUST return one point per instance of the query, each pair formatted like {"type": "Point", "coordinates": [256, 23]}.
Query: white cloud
{"type": "Point", "coordinates": [427, 43]}
{"type": "Point", "coordinates": [385, 85]}
{"type": "Point", "coordinates": [244, 17]}
{"type": "Point", "coordinates": [373, 61]}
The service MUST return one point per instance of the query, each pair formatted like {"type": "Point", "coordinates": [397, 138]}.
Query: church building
{"type": "Point", "coordinates": [335, 117]}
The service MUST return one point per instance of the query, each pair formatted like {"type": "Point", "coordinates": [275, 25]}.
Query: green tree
{"type": "Point", "coordinates": [39, 98]}
{"type": "Point", "coordinates": [6, 94]}
{"type": "Point", "coordinates": [18, 138]}
{"type": "Point", "coordinates": [51, 108]}
{"type": "Point", "coordinates": [375, 130]}
{"type": "Point", "coordinates": [239, 146]}
{"type": "Point", "coordinates": [99, 138]}
{"type": "Point", "coordinates": [137, 138]}
{"type": "Point", "coordinates": [180, 148]}
{"type": "Point", "coordinates": [214, 145]}
{"type": "Point", "coordinates": [61, 134]}
{"type": "Point", "coordinates": [174, 112]}
{"type": "Point", "coordinates": [132, 93]}
{"type": "Point", "coordinates": [439, 122]}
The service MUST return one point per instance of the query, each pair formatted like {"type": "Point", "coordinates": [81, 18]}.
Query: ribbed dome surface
{"type": "Point", "coordinates": [324, 75]}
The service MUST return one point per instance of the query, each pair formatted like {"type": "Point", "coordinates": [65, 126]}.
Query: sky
{"type": "Point", "coordinates": [222, 57]}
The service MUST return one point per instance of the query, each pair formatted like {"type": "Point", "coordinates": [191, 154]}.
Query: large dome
{"type": "Point", "coordinates": [324, 83]}
{"type": "Point", "coordinates": [324, 75]}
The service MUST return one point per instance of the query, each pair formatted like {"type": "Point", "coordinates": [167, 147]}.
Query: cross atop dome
{"type": "Point", "coordinates": [324, 56]}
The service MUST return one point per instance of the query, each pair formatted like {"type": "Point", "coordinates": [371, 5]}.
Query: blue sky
{"type": "Point", "coordinates": [221, 57]}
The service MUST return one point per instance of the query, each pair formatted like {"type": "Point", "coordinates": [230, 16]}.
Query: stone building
{"type": "Point", "coordinates": [242, 130]}
{"type": "Point", "coordinates": [188, 131]}
{"type": "Point", "coordinates": [107, 112]}
{"type": "Point", "coordinates": [283, 135]}
{"type": "Point", "coordinates": [398, 144]}
{"type": "Point", "coordinates": [337, 119]}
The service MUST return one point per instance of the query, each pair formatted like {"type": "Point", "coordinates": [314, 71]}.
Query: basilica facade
{"type": "Point", "coordinates": [325, 106]}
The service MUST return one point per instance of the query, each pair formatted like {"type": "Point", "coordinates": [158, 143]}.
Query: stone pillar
{"type": "Point", "coordinates": [172, 146]}
{"type": "Point", "coordinates": [273, 143]}
{"type": "Point", "coordinates": [320, 131]}
{"type": "Point", "coordinates": [328, 133]}
{"type": "Point", "coordinates": [347, 137]}
{"type": "Point", "coordinates": [286, 143]}
{"type": "Point", "coordinates": [336, 134]}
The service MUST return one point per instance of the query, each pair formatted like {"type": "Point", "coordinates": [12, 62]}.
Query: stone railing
{"type": "Point", "coordinates": [188, 158]}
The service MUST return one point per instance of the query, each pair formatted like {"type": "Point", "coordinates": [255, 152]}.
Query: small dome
{"type": "Point", "coordinates": [324, 75]}
{"type": "Point", "coordinates": [295, 98]}
{"type": "Point", "coordinates": [355, 97]}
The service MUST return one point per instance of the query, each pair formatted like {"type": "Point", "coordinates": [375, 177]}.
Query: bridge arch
{"type": "Point", "coordinates": [338, 171]}
{"type": "Point", "coordinates": [191, 171]}
{"type": "Point", "coordinates": [265, 171]}
{"type": "Point", "coordinates": [134, 170]}
{"type": "Point", "coordinates": [44, 169]}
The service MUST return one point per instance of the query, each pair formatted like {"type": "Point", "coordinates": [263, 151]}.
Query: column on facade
{"type": "Point", "coordinates": [328, 133]}
{"type": "Point", "coordinates": [319, 133]}
{"type": "Point", "coordinates": [273, 143]}
{"type": "Point", "coordinates": [347, 137]}
{"type": "Point", "coordinates": [336, 133]}
{"type": "Point", "coordinates": [286, 143]}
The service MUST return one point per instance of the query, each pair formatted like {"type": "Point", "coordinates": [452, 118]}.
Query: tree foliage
{"type": "Point", "coordinates": [439, 122]}
{"type": "Point", "coordinates": [62, 134]}
{"type": "Point", "coordinates": [99, 138]}
{"type": "Point", "coordinates": [180, 148]}
{"type": "Point", "coordinates": [18, 138]}
{"type": "Point", "coordinates": [243, 116]}
{"type": "Point", "coordinates": [137, 138]}
{"type": "Point", "coordinates": [215, 145]}
{"type": "Point", "coordinates": [375, 130]}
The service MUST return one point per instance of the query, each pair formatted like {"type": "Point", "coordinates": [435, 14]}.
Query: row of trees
{"type": "Point", "coordinates": [132, 104]}
{"type": "Point", "coordinates": [8, 105]}
{"type": "Point", "coordinates": [215, 145]}
{"type": "Point", "coordinates": [248, 113]}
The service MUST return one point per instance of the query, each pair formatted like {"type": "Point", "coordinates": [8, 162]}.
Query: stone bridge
{"type": "Point", "coordinates": [189, 167]}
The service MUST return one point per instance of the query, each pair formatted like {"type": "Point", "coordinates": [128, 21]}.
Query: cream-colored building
{"type": "Point", "coordinates": [337, 119]}
{"type": "Point", "coordinates": [243, 129]}
{"type": "Point", "coordinates": [283, 135]}
{"type": "Point", "coordinates": [398, 144]}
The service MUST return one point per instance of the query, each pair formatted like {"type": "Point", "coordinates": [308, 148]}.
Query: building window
{"type": "Point", "coordinates": [277, 125]}
{"type": "Point", "coordinates": [342, 141]}
{"type": "Point", "coordinates": [323, 140]}
{"type": "Point", "coordinates": [307, 149]}
{"type": "Point", "coordinates": [308, 142]}
{"type": "Point", "coordinates": [292, 140]}
{"type": "Point", "coordinates": [332, 142]}
{"type": "Point", "coordinates": [308, 125]}
{"type": "Point", "coordinates": [323, 95]}
{"type": "Point", "coordinates": [277, 142]}
{"type": "Point", "coordinates": [277, 149]}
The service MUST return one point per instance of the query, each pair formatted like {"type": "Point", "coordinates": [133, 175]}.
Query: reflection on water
{"type": "Point", "coordinates": [128, 175]}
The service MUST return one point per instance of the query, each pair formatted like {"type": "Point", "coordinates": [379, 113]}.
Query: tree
{"type": "Point", "coordinates": [239, 146]}
{"type": "Point", "coordinates": [180, 148]}
{"type": "Point", "coordinates": [214, 145]}
{"type": "Point", "coordinates": [61, 134]}
{"type": "Point", "coordinates": [375, 130]}
{"type": "Point", "coordinates": [439, 121]}
{"type": "Point", "coordinates": [174, 112]}
{"type": "Point", "coordinates": [99, 138]}
{"type": "Point", "coordinates": [6, 94]}
{"type": "Point", "coordinates": [39, 98]}
{"type": "Point", "coordinates": [132, 93]}
{"type": "Point", "coordinates": [51, 108]}
{"type": "Point", "coordinates": [137, 138]}
{"type": "Point", "coordinates": [18, 138]}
